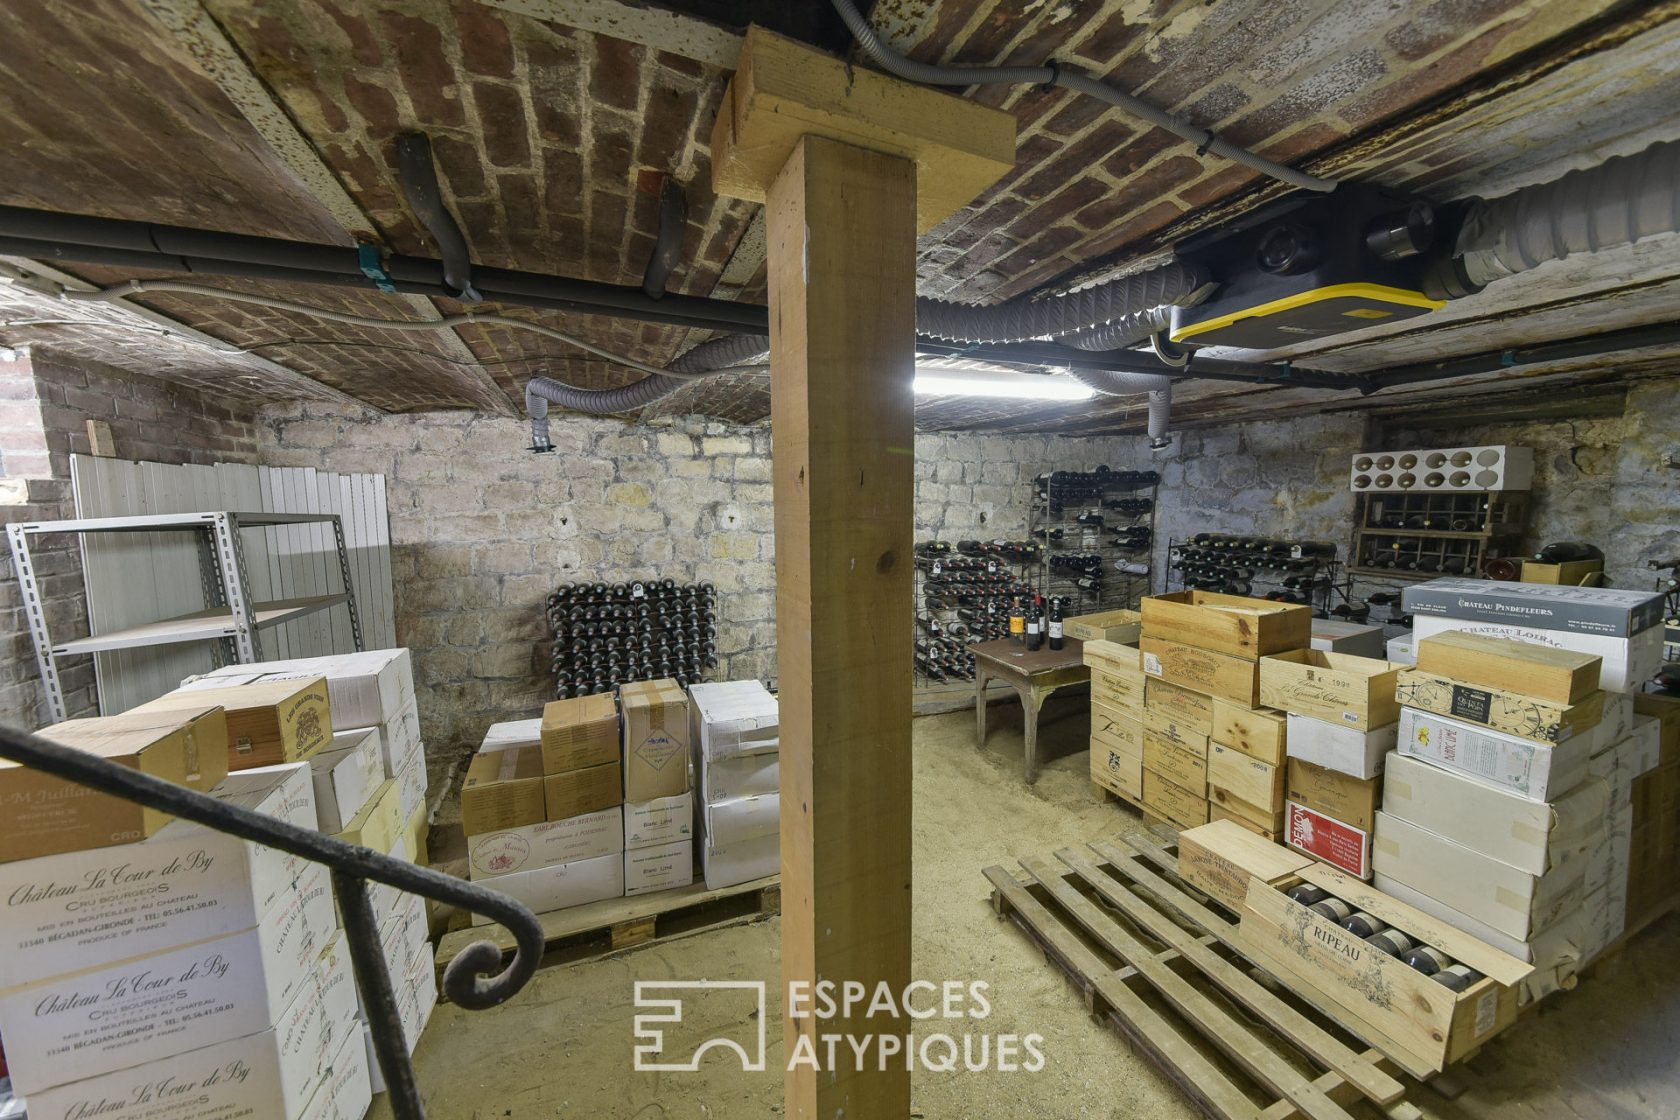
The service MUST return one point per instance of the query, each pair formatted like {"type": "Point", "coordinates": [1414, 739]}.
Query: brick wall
{"type": "Point", "coordinates": [46, 400]}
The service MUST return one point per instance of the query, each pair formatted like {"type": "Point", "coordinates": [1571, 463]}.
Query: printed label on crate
{"type": "Point", "coordinates": [1487, 1012]}
{"type": "Point", "coordinates": [658, 749]}
{"type": "Point", "coordinates": [1340, 845]}
{"type": "Point", "coordinates": [1152, 664]}
{"type": "Point", "coordinates": [1472, 704]}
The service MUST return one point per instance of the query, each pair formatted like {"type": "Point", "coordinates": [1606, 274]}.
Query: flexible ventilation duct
{"type": "Point", "coordinates": [1618, 202]}
{"type": "Point", "coordinates": [1157, 385]}
{"type": "Point", "coordinates": [1061, 315]}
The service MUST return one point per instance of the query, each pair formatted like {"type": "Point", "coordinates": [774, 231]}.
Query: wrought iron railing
{"type": "Point", "coordinates": [475, 979]}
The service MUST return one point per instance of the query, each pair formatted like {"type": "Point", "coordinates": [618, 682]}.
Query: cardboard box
{"type": "Point", "coordinates": [364, 689]}
{"type": "Point", "coordinates": [1511, 901]}
{"type": "Point", "coordinates": [742, 862]}
{"type": "Point", "coordinates": [742, 818]}
{"type": "Point", "coordinates": [1229, 624]}
{"type": "Point", "coordinates": [1121, 627]}
{"type": "Point", "coordinates": [411, 787]}
{"type": "Point", "coordinates": [1537, 771]}
{"type": "Point", "coordinates": [184, 883]}
{"type": "Point", "coordinates": [731, 719]}
{"type": "Point", "coordinates": [1182, 807]}
{"type": "Point", "coordinates": [533, 846]}
{"type": "Point", "coordinates": [1269, 828]}
{"type": "Point", "coordinates": [399, 740]}
{"type": "Point", "coordinates": [1213, 674]}
{"type": "Point", "coordinates": [1117, 770]}
{"type": "Point", "coordinates": [1356, 692]}
{"type": "Point", "coordinates": [1351, 800]}
{"type": "Point", "coordinates": [579, 733]}
{"type": "Point", "coordinates": [575, 792]}
{"type": "Point", "coordinates": [1220, 858]}
{"type": "Point", "coordinates": [47, 815]}
{"type": "Point", "coordinates": [1336, 747]}
{"type": "Point", "coordinates": [1166, 725]}
{"type": "Point", "coordinates": [1531, 836]}
{"type": "Point", "coordinates": [655, 739]}
{"type": "Point", "coordinates": [1186, 769]}
{"type": "Point", "coordinates": [658, 868]}
{"type": "Point", "coordinates": [1194, 710]}
{"type": "Point", "coordinates": [1560, 675]}
{"type": "Point", "coordinates": [1402, 650]}
{"type": "Point", "coordinates": [1618, 717]}
{"type": "Point", "coordinates": [1329, 839]}
{"type": "Point", "coordinates": [113, 1015]}
{"type": "Point", "coordinates": [285, 720]}
{"type": "Point", "coordinates": [666, 819]}
{"type": "Point", "coordinates": [1576, 573]}
{"type": "Point", "coordinates": [1666, 711]}
{"type": "Point", "coordinates": [563, 885]}
{"type": "Point", "coordinates": [346, 776]}
{"type": "Point", "coordinates": [741, 775]}
{"type": "Point", "coordinates": [513, 733]}
{"type": "Point", "coordinates": [1246, 778]}
{"type": "Point", "coordinates": [1121, 690]}
{"type": "Point", "coordinates": [1642, 747]}
{"type": "Point", "coordinates": [380, 823]}
{"type": "Point", "coordinates": [1331, 636]}
{"type": "Point", "coordinates": [1527, 717]}
{"type": "Point", "coordinates": [1582, 610]}
{"type": "Point", "coordinates": [1627, 663]}
{"type": "Point", "coordinates": [1522, 949]}
{"type": "Point", "coordinates": [416, 832]}
{"type": "Point", "coordinates": [1257, 732]}
{"type": "Point", "coordinates": [504, 790]}
{"type": "Point", "coordinates": [346, 1091]}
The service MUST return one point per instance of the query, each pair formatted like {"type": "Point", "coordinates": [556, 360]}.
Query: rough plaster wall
{"type": "Point", "coordinates": [46, 400]}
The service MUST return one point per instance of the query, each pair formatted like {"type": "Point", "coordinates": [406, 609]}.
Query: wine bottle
{"type": "Point", "coordinates": [1017, 621]}
{"type": "Point", "coordinates": [1055, 625]}
{"type": "Point", "coordinates": [1427, 960]}
{"type": "Point", "coordinates": [1034, 628]}
{"type": "Point", "coordinates": [1457, 977]}
{"type": "Point", "coordinates": [1568, 552]}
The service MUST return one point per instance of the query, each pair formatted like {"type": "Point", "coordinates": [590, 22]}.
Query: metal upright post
{"type": "Point", "coordinates": [230, 553]}
{"type": "Point", "coordinates": [349, 588]}
{"type": "Point", "coordinates": [30, 591]}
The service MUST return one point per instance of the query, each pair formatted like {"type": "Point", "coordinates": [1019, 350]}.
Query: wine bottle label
{"type": "Point", "coordinates": [1055, 629]}
{"type": "Point", "coordinates": [1032, 627]}
{"type": "Point", "coordinates": [1017, 624]}
{"type": "Point", "coordinates": [936, 568]}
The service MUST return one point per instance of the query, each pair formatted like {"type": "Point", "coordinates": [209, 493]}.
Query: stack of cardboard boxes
{"type": "Point", "coordinates": [1654, 841]}
{"type": "Point", "coordinates": [735, 735]}
{"type": "Point", "coordinates": [368, 777]}
{"type": "Point", "coordinates": [1201, 650]}
{"type": "Point", "coordinates": [144, 959]}
{"type": "Point", "coordinates": [658, 807]}
{"type": "Point", "coordinates": [1341, 723]}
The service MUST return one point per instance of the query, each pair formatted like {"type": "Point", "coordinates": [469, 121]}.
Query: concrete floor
{"type": "Point", "coordinates": [562, 1048]}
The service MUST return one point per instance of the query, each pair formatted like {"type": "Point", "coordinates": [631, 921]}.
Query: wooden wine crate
{"type": "Point", "coordinates": [1170, 801]}
{"type": "Point", "coordinates": [1173, 728]}
{"type": "Point", "coordinates": [1123, 626]}
{"type": "Point", "coordinates": [1223, 807]}
{"type": "Point", "coordinates": [1257, 732]}
{"type": "Point", "coordinates": [1338, 688]}
{"type": "Point", "coordinates": [1192, 709]}
{"type": "Point", "coordinates": [1527, 717]}
{"type": "Point", "coordinates": [1219, 675]}
{"type": "Point", "coordinates": [1246, 778]}
{"type": "Point", "coordinates": [1560, 675]}
{"type": "Point", "coordinates": [1221, 857]}
{"type": "Point", "coordinates": [1118, 728]}
{"type": "Point", "coordinates": [1420, 1024]}
{"type": "Point", "coordinates": [1181, 766]}
{"type": "Point", "coordinates": [1230, 624]}
{"type": "Point", "coordinates": [1117, 769]}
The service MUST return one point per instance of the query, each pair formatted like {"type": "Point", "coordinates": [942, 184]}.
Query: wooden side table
{"type": "Point", "coordinates": [1034, 675]}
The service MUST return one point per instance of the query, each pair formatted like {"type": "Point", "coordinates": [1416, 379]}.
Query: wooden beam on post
{"type": "Point", "coordinates": [846, 165]}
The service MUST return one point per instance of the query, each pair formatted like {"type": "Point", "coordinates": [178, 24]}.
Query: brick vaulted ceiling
{"type": "Point", "coordinates": [555, 122]}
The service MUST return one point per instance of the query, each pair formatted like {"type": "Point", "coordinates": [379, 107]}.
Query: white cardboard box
{"type": "Point", "coordinates": [1531, 836]}
{"type": "Point", "coordinates": [345, 776]}
{"type": "Point", "coordinates": [345, 1091]}
{"type": "Point", "coordinates": [1537, 771]}
{"type": "Point", "coordinates": [411, 786]}
{"type": "Point", "coordinates": [743, 818]}
{"type": "Point", "coordinates": [187, 882]}
{"type": "Point", "coordinates": [1332, 636]}
{"type": "Point", "coordinates": [742, 775]}
{"type": "Point", "coordinates": [1402, 649]}
{"type": "Point", "coordinates": [563, 884]}
{"type": "Point", "coordinates": [1344, 749]}
{"type": "Point", "coordinates": [659, 868]}
{"type": "Point", "coordinates": [1641, 750]}
{"type": "Point", "coordinates": [527, 848]}
{"type": "Point", "coordinates": [114, 1015]}
{"type": "Point", "coordinates": [1618, 717]}
{"type": "Point", "coordinates": [1511, 901]}
{"type": "Point", "coordinates": [1628, 662]}
{"type": "Point", "coordinates": [512, 735]}
{"type": "Point", "coordinates": [1521, 948]}
{"type": "Point", "coordinates": [730, 718]}
{"type": "Point", "coordinates": [365, 688]}
{"type": "Point", "coordinates": [661, 821]}
{"type": "Point", "coordinates": [741, 862]}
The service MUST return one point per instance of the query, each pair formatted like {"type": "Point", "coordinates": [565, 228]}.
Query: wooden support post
{"type": "Point", "coordinates": [835, 153]}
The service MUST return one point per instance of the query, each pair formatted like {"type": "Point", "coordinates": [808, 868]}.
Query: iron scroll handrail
{"type": "Point", "coordinates": [471, 980]}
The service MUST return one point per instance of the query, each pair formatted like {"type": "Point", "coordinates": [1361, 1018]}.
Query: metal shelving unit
{"type": "Point", "coordinates": [1119, 590]}
{"type": "Point", "coordinates": [229, 617]}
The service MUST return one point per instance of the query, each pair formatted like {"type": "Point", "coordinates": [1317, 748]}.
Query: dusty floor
{"type": "Point", "coordinates": [562, 1048]}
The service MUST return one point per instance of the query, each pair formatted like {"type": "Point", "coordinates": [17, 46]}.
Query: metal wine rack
{"type": "Point", "coordinates": [1118, 589]}
{"type": "Point", "coordinates": [1019, 573]}
{"type": "Point", "coordinates": [1318, 580]}
{"type": "Point", "coordinates": [1425, 535]}
{"type": "Point", "coordinates": [606, 635]}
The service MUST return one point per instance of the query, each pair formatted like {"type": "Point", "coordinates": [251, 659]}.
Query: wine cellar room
{"type": "Point", "coordinates": [848, 560]}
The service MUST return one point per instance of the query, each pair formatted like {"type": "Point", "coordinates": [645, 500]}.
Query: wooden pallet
{"type": "Point", "coordinates": [1151, 955]}
{"type": "Point", "coordinates": [618, 924]}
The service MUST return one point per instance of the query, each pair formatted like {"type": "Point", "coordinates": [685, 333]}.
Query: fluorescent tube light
{"type": "Point", "coordinates": [1020, 386]}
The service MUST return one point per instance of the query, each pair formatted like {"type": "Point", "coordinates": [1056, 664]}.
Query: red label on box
{"type": "Point", "coordinates": [1340, 845]}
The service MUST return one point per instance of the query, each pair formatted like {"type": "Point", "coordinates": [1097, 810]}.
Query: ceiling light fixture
{"type": "Point", "coordinates": [938, 382]}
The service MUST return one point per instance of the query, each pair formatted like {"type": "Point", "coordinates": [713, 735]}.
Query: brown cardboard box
{"type": "Point", "coordinates": [1246, 778]}
{"type": "Point", "coordinates": [1353, 801]}
{"type": "Point", "coordinates": [655, 739]}
{"type": "Point", "coordinates": [1192, 709]}
{"type": "Point", "coordinates": [380, 822]}
{"type": "Point", "coordinates": [1551, 674]}
{"type": "Point", "coordinates": [268, 723]}
{"type": "Point", "coordinates": [1527, 717]}
{"type": "Point", "coordinates": [1666, 709]}
{"type": "Point", "coordinates": [503, 789]}
{"type": "Point", "coordinates": [1219, 675]}
{"type": "Point", "coordinates": [1230, 624]}
{"type": "Point", "coordinates": [1348, 691]}
{"type": "Point", "coordinates": [576, 792]}
{"type": "Point", "coordinates": [1183, 768]}
{"type": "Point", "coordinates": [1257, 732]}
{"type": "Point", "coordinates": [45, 815]}
{"type": "Point", "coordinates": [579, 733]}
{"type": "Point", "coordinates": [1171, 802]}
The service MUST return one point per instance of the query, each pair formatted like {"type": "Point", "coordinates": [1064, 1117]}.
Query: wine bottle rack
{"type": "Point", "coordinates": [1287, 571]}
{"type": "Point", "coordinates": [1426, 535]}
{"type": "Point", "coordinates": [609, 634]}
{"type": "Point", "coordinates": [977, 581]}
{"type": "Point", "coordinates": [1063, 515]}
